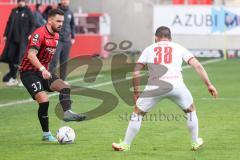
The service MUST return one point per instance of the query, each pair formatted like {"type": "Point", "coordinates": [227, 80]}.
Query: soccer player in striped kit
{"type": "Point", "coordinates": [35, 75]}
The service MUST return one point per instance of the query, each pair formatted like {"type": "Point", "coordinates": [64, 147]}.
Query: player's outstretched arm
{"type": "Point", "coordinates": [32, 56]}
{"type": "Point", "coordinates": [204, 76]}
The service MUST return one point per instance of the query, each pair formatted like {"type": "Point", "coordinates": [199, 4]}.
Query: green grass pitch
{"type": "Point", "coordinates": [162, 139]}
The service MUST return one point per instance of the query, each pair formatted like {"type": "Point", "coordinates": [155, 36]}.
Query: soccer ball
{"type": "Point", "coordinates": [65, 135]}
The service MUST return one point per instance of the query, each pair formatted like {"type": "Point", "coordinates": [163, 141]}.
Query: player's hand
{"type": "Point", "coordinates": [72, 41]}
{"type": "Point", "coordinates": [5, 39]}
{"type": "Point", "coordinates": [213, 91]}
{"type": "Point", "coordinates": [46, 74]}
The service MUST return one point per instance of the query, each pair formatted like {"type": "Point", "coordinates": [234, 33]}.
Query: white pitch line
{"type": "Point", "coordinates": [80, 79]}
{"type": "Point", "coordinates": [93, 86]}
{"type": "Point", "coordinates": [219, 99]}
{"type": "Point", "coordinates": [204, 63]}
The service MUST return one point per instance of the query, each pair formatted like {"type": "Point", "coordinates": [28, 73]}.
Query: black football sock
{"type": "Point", "coordinates": [64, 98]}
{"type": "Point", "coordinates": [43, 116]}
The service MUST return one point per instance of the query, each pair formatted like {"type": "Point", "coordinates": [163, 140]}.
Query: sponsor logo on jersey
{"type": "Point", "coordinates": [36, 37]}
{"type": "Point", "coordinates": [51, 50]}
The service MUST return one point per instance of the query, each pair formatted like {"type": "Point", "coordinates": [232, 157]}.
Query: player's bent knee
{"type": "Point", "coordinates": [138, 111]}
{"type": "Point", "coordinates": [58, 85]}
{"type": "Point", "coordinates": [41, 97]}
{"type": "Point", "coordinates": [190, 109]}
{"type": "Point", "coordinates": [66, 85]}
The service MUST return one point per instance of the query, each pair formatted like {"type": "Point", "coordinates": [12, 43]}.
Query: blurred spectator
{"type": "Point", "coordinates": [46, 11]}
{"type": "Point", "coordinates": [39, 20]}
{"type": "Point", "coordinates": [19, 27]}
{"type": "Point", "coordinates": [67, 35]}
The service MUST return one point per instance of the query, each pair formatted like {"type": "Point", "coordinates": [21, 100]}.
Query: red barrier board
{"type": "Point", "coordinates": [86, 45]}
{"type": "Point", "coordinates": [4, 12]}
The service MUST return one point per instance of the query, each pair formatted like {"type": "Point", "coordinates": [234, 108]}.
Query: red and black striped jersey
{"type": "Point", "coordinates": [46, 44]}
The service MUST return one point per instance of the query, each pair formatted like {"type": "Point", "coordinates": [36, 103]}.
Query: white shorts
{"type": "Point", "coordinates": [180, 96]}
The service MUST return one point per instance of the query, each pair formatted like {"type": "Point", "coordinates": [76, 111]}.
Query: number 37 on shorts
{"type": "Point", "coordinates": [36, 86]}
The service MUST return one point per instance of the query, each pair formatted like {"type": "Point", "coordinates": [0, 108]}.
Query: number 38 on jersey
{"type": "Point", "coordinates": [163, 55]}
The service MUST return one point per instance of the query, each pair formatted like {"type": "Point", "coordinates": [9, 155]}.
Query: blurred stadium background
{"type": "Point", "coordinates": [210, 28]}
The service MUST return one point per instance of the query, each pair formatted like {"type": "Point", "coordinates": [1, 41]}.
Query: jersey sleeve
{"type": "Point", "coordinates": [187, 55]}
{"type": "Point", "coordinates": [36, 40]}
{"type": "Point", "coordinates": [143, 58]}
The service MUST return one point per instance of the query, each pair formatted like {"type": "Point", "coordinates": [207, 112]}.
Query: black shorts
{"type": "Point", "coordinates": [34, 82]}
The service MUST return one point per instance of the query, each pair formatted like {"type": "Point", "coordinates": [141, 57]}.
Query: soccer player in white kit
{"type": "Point", "coordinates": [166, 57]}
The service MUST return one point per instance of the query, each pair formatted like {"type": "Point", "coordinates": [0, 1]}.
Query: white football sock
{"type": "Point", "coordinates": [133, 128]}
{"type": "Point", "coordinates": [46, 133]}
{"type": "Point", "coordinates": [192, 124]}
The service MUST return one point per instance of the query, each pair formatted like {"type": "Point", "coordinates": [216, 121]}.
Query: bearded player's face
{"type": "Point", "coordinates": [56, 23]}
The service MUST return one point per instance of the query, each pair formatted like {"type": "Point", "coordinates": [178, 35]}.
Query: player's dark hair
{"type": "Point", "coordinates": [54, 12]}
{"type": "Point", "coordinates": [163, 32]}
{"type": "Point", "coordinates": [37, 6]}
{"type": "Point", "coordinates": [18, 1]}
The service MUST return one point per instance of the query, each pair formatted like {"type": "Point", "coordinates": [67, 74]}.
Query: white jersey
{"type": "Point", "coordinates": [168, 54]}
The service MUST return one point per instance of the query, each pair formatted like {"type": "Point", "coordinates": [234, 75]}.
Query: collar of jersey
{"type": "Point", "coordinates": [49, 31]}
